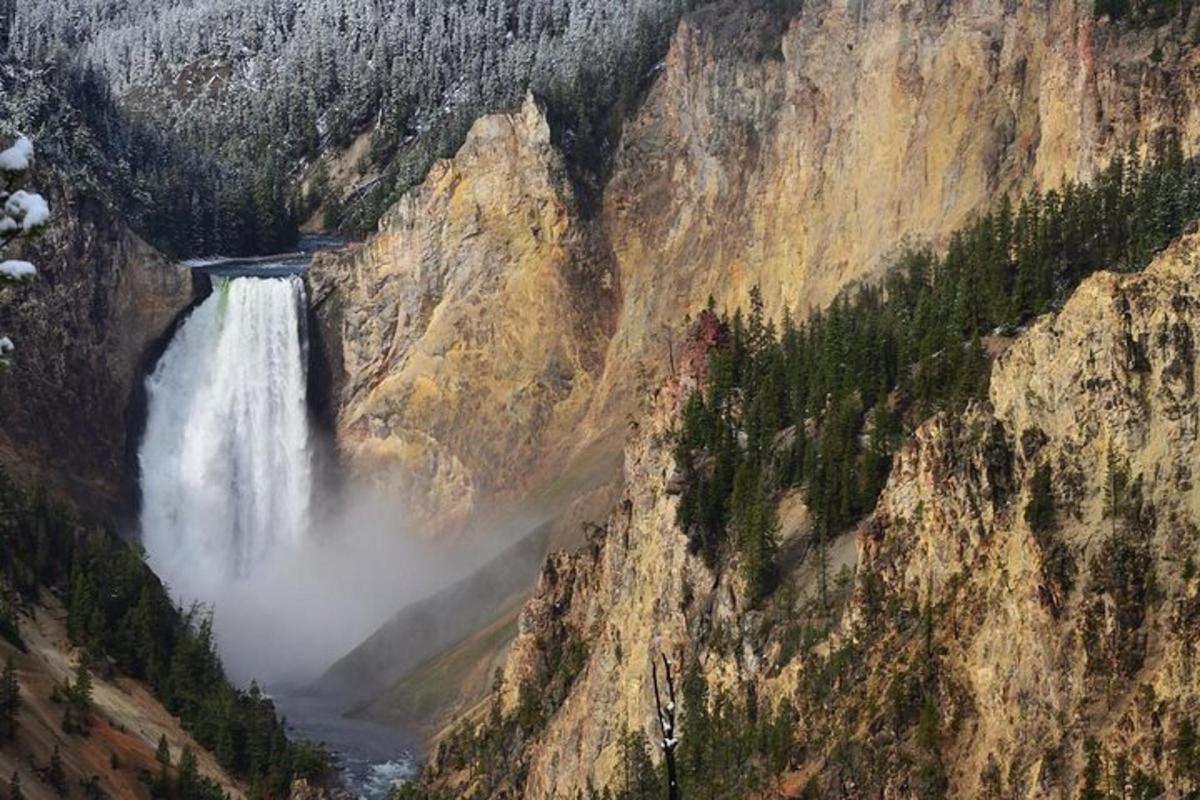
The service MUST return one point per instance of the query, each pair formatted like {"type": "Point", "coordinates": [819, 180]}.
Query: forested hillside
{"type": "Point", "coordinates": [262, 86]}
{"type": "Point", "coordinates": [119, 613]}
{"type": "Point", "coordinates": [152, 177]}
{"type": "Point", "coordinates": [255, 91]}
{"type": "Point", "coordinates": [823, 404]}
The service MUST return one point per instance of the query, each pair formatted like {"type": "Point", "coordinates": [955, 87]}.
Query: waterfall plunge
{"type": "Point", "coordinates": [225, 462]}
{"type": "Point", "coordinates": [227, 478]}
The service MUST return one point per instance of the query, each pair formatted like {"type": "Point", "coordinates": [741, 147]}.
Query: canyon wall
{"type": "Point", "coordinates": [490, 331]}
{"type": "Point", "coordinates": [86, 328]}
{"type": "Point", "coordinates": [471, 327]}
{"type": "Point", "coordinates": [1040, 649]}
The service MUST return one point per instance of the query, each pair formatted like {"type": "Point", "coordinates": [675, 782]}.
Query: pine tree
{"type": "Point", "coordinates": [877, 459]}
{"type": "Point", "coordinates": [56, 774]}
{"type": "Point", "coordinates": [147, 658]}
{"type": "Point", "coordinates": [188, 780]}
{"type": "Point", "coordinates": [10, 700]}
{"type": "Point", "coordinates": [79, 700]}
{"type": "Point", "coordinates": [1187, 754]}
{"type": "Point", "coordinates": [81, 690]}
{"type": "Point", "coordinates": [1092, 772]}
{"type": "Point", "coordinates": [1116, 488]}
{"type": "Point", "coordinates": [1039, 513]}
{"type": "Point", "coordinates": [163, 753]}
{"type": "Point", "coordinates": [10, 627]}
{"type": "Point", "coordinates": [756, 525]}
{"type": "Point", "coordinates": [81, 608]}
{"type": "Point", "coordinates": [640, 779]}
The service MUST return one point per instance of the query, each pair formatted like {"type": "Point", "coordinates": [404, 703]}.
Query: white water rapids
{"type": "Point", "coordinates": [225, 462]}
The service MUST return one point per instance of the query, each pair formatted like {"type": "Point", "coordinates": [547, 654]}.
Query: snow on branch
{"type": "Point", "coordinates": [17, 270]}
{"type": "Point", "coordinates": [22, 214]}
{"type": "Point", "coordinates": [29, 211]}
{"type": "Point", "coordinates": [17, 158]}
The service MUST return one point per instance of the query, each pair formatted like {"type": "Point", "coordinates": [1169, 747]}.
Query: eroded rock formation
{"type": "Point", "coordinates": [1042, 644]}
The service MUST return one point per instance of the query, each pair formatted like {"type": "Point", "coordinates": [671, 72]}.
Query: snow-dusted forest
{"type": "Point", "coordinates": [264, 85]}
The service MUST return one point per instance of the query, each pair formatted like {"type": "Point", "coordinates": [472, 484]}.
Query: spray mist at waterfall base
{"type": "Point", "coordinates": [310, 604]}
{"type": "Point", "coordinates": [313, 601]}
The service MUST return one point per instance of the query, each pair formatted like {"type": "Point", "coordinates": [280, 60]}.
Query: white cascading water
{"type": "Point", "coordinates": [227, 476]}
{"type": "Point", "coordinates": [225, 461]}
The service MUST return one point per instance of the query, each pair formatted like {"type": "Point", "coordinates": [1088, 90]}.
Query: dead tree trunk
{"type": "Point", "coordinates": [666, 725]}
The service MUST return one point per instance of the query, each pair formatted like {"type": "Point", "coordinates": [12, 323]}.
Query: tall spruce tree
{"type": "Point", "coordinates": [162, 753]}
{"type": "Point", "coordinates": [56, 774]}
{"type": "Point", "coordinates": [10, 700]}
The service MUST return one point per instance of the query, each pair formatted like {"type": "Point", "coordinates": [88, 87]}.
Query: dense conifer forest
{"type": "Point", "coordinates": [118, 610]}
{"type": "Point", "coordinates": [822, 404]}
{"type": "Point", "coordinates": [150, 176]}
{"type": "Point", "coordinates": [215, 112]}
{"type": "Point", "coordinates": [256, 90]}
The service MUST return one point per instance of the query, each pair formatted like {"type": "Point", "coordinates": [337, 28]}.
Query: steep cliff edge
{"type": "Point", "coordinates": [85, 330]}
{"type": "Point", "coordinates": [472, 325]}
{"type": "Point", "coordinates": [1020, 621]}
{"type": "Point", "coordinates": [796, 154]}
{"type": "Point", "coordinates": [799, 160]}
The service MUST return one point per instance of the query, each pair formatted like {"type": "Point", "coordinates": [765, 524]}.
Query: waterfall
{"type": "Point", "coordinates": [225, 462]}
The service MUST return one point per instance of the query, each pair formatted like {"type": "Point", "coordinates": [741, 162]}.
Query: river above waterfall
{"type": "Point", "coordinates": [274, 266]}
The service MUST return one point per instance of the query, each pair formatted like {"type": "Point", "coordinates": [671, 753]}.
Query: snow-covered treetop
{"type": "Point", "coordinates": [22, 212]}
{"type": "Point", "coordinates": [17, 270]}
{"type": "Point", "coordinates": [26, 211]}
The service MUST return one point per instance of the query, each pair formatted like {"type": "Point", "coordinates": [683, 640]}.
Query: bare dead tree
{"type": "Point", "coordinates": [666, 725]}
{"type": "Point", "coordinates": [667, 334]}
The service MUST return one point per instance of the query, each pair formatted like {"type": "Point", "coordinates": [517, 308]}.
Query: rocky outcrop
{"type": "Point", "coordinates": [490, 331]}
{"type": "Point", "coordinates": [1028, 576]}
{"type": "Point", "coordinates": [472, 325]}
{"type": "Point", "coordinates": [86, 329]}
{"type": "Point", "coordinates": [623, 595]}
